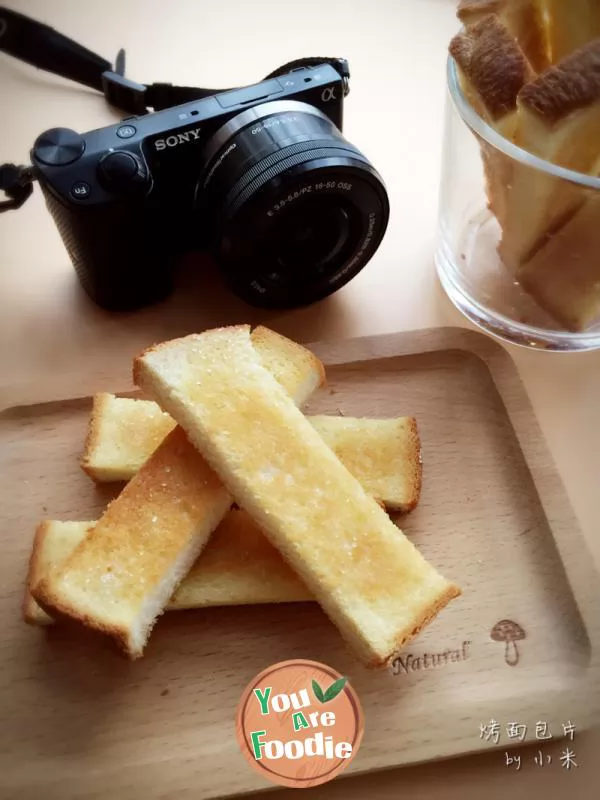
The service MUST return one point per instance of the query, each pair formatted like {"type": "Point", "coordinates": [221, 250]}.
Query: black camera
{"type": "Point", "coordinates": [261, 177]}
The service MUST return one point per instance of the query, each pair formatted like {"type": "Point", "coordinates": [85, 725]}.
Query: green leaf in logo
{"type": "Point", "coordinates": [335, 688]}
{"type": "Point", "coordinates": [318, 692]}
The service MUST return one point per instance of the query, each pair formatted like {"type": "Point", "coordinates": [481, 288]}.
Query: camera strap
{"type": "Point", "coordinates": [44, 48]}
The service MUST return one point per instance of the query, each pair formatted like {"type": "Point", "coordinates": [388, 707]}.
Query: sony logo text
{"type": "Point", "coordinates": [177, 138]}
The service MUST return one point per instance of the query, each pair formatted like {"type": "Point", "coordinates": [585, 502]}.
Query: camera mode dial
{"type": "Point", "coordinates": [58, 146]}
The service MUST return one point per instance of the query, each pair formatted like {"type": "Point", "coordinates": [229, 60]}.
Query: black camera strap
{"type": "Point", "coordinates": [43, 47]}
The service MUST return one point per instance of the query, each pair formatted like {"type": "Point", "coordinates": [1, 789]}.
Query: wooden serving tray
{"type": "Point", "coordinates": [79, 720]}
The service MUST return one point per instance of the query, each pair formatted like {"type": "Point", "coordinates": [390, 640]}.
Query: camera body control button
{"type": "Point", "coordinates": [58, 146]}
{"type": "Point", "coordinates": [120, 171]}
{"type": "Point", "coordinates": [81, 190]}
{"type": "Point", "coordinates": [126, 131]}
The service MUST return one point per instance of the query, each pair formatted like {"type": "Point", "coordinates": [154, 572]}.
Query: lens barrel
{"type": "Point", "coordinates": [295, 210]}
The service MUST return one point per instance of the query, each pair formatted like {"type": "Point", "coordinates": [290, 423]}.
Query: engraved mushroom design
{"type": "Point", "coordinates": [509, 632]}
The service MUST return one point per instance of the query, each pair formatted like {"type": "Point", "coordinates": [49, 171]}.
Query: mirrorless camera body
{"type": "Point", "coordinates": [261, 177]}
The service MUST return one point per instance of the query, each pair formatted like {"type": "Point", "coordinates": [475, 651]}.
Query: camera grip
{"type": "Point", "coordinates": [116, 251]}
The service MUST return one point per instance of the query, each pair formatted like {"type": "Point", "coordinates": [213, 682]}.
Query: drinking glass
{"type": "Point", "coordinates": [518, 248]}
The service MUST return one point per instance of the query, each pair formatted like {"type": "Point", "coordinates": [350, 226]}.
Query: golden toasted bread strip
{"type": "Point", "coordinates": [368, 577]}
{"type": "Point", "coordinates": [122, 575]}
{"type": "Point", "coordinates": [559, 121]}
{"type": "Point", "coordinates": [523, 19]}
{"type": "Point", "coordinates": [238, 566]}
{"type": "Point", "coordinates": [122, 435]}
{"type": "Point", "coordinates": [492, 70]}
{"type": "Point", "coordinates": [564, 274]}
{"type": "Point", "coordinates": [384, 454]}
{"type": "Point", "coordinates": [571, 24]}
{"type": "Point", "coordinates": [52, 544]}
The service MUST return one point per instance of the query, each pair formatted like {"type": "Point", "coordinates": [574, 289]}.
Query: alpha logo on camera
{"type": "Point", "coordinates": [177, 138]}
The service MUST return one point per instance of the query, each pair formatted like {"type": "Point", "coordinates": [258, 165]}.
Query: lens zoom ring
{"type": "Point", "coordinates": [279, 162]}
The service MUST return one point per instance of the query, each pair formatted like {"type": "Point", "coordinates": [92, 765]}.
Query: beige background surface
{"type": "Point", "coordinates": [52, 337]}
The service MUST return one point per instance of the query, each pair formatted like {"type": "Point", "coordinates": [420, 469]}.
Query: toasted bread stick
{"type": "Point", "coordinates": [384, 454]}
{"type": "Point", "coordinates": [373, 583]}
{"type": "Point", "coordinates": [122, 435]}
{"type": "Point", "coordinates": [492, 69]}
{"type": "Point", "coordinates": [564, 274]}
{"type": "Point", "coordinates": [53, 543]}
{"type": "Point", "coordinates": [120, 578]}
{"type": "Point", "coordinates": [559, 121]}
{"type": "Point", "coordinates": [523, 19]}
{"type": "Point", "coordinates": [238, 566]}
{"type": "Point", "coordinates": [571, 25]}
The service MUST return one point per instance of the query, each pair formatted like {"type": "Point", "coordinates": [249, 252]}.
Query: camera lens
{"type": "Point", "coordinates": [311, 237]}
{"type": "Point", "coordinates": [295, 210]}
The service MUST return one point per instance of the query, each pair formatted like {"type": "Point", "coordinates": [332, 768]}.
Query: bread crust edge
{"type": "Point", "coordinates": [451, 593]}
{"type": "Point", "coordinates": [93, 433]}
{"type": "Point", "coordinates": [493, 63]}
{"type": "Point", "coordinates": [29, 605]}
{"type": "Point", "coordinates": [416, 470]}
{"type": "Point", "coordinates": [64, 612]}
{"type": "Point", "coordinates": [564, 88]}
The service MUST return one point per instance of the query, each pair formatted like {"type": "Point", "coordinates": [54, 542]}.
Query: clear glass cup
{"type": "Point", "coordinates": [518, 248]}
